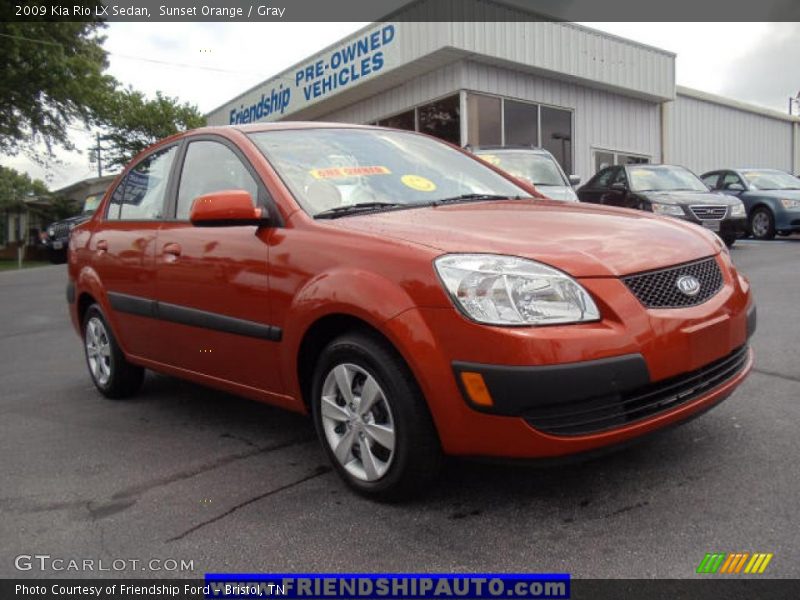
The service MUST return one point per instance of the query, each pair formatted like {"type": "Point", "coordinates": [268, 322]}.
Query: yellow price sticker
{"type": "Point", "coordinates": [418, 182]}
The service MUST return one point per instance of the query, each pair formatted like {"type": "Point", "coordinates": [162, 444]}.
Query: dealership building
{"type": "Point", "coordinates": [591, 98]}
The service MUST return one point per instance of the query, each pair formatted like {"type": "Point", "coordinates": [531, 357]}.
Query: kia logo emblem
{"type": "Point", "coordinates": [688, 285]}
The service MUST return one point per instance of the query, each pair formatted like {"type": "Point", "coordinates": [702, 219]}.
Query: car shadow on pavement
{"type": "Point", "coordinates": [466, 488]}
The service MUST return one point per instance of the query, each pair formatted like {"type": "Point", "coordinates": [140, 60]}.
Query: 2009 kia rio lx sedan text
{"type": "Point", "coordinates": [415, 300]}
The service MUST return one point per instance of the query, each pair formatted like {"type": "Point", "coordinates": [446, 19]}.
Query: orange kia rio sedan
{"type": "Point", "coordinates": [416, 301]}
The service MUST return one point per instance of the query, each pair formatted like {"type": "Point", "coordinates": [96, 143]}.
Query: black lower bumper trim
{"type": "Point", "coordinates": [583, 398]}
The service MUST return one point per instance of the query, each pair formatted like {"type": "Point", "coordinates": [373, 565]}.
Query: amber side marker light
{"type": "Point", "coordinates": [476, 388]}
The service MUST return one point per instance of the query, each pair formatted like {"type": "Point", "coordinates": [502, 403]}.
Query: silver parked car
{"type": "Point", "coordinates": [533, 165]}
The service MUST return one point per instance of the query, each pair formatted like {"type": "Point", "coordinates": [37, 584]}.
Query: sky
{"type": "Point", "coordinates": [208, 64]}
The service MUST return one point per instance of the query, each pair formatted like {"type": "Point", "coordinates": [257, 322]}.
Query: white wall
{"type": "Point", "coordinates": [705, 134]}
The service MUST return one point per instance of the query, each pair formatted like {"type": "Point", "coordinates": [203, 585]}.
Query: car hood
{"type": "Point", "coordinates": [77, 219]}
{"type": "Point", "coordinates": [680, 197]}
{"type": "Point", "coordinates": [582, 240]}
{"type": "Point", "coordinates": [558, 192]}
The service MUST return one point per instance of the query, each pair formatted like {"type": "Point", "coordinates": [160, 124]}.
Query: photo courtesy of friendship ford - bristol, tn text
{"type": "Point", "coordinates": [402, 299]}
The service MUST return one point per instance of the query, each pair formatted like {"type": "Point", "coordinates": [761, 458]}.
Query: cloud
{"type": "Point", "coordinates": [770, 72]}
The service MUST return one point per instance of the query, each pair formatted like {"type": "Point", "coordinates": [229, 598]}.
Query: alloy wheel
{"type": "Point", "coordinates": [760, 224]}
{"type": "Point", "coordinates": [357, 421]}
{"type": "Point", "coordinates": [98, 350]}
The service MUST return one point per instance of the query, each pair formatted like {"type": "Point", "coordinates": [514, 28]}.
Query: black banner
{"type": "Point", "coordinates": [400, 10]}
{"type": "Point", "coordinates": [705, 588]}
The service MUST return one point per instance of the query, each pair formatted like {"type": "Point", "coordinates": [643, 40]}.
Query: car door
{"type": "Point", "coordinates": [616, 194]}
{"type": "Point", "coordinates": [596, 187]}
{"type": "Point", "coordinates": [212, 283]}
{"type": "Point", "coordinates": [123, 246]}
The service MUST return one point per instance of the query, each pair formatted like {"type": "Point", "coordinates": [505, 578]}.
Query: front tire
{"type": "Point", "coordinates": [110, 371]}
{"type": "Point", "coordinates": [762, 224]}
{"type": "Point", "coordinates": [372, 419]}
{"type": "Point", "coordinates": [729, 240]}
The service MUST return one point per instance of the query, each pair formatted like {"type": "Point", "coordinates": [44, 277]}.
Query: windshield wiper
{"type": "Point", "coordinates": [472, 198]}
{"type": "Point", "coordinates": [340, 211]}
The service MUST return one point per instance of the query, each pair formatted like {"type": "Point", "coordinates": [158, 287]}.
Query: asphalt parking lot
{"type": "Point", "coordinates": [184, 472]}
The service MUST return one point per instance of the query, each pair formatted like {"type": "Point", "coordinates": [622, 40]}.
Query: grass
{"type": "Point", "coordinates": [11, 265]}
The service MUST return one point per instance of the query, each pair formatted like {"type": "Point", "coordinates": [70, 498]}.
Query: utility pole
{"type": "Point", "coordinates": [95, 155]}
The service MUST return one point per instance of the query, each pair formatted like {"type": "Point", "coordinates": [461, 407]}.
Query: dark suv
{"type": "Point", "coordinates": [668, 190]}
{"type": "Point", "coordinates": [56, 237]}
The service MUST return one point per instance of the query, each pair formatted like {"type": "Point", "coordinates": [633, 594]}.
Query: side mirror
{"type": "Point", "coordinates": [574, 180]}
{"type": "Point", "coordinates": [225, 208]}
{"type": "Point", "coordinates": [734, 187]}
{"type": "Point", "coordinates": [618, 186]}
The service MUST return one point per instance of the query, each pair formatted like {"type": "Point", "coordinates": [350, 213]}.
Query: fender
{"type": "Point", "coordinates": [354, 292]}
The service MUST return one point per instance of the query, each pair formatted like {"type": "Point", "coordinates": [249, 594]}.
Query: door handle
{"type": "Point", "coordinates": [102, 246]}
{"type": "Point", "coordinates": [172, 249]}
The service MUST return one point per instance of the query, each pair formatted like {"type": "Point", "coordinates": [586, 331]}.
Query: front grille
{"type": "Point", "coordinates": [714, 212]}
{"type": "Point", "coordinates": [592, 415]}
{"type": "Point", "coordinates": [61, 230]}
{"type": "Point", "coordinates": [659, 289]}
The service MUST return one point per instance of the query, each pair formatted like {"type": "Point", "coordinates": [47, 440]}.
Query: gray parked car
{"type": "Point", "coordinates": [771, 197]}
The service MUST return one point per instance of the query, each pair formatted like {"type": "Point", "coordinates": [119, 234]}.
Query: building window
{"type": "Point", "coordinates": [608, 158]}
{"type": "Point", "coordinates": [557, 135]}
{"type": "Point", "coordinates": [404, 120]}
{"type": "Point", "coordinates": [441, 119]}
{"type": "Point", "coordinates": [484, 120]}
{"type": "Point", "coordinates": [521, 124]}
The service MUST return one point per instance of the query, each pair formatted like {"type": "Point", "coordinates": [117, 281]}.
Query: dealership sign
{"type": "Point", "coordinates": [355, 61]}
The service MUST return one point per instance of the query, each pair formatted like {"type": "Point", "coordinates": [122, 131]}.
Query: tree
{"type": "Point", "coordinates": [132, 122]}
{"type": "Point", "coordinates": [15, 186]}
{"type": "Point", "coordinates": [51, 74]}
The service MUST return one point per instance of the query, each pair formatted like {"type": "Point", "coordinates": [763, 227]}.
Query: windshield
{"type": "Point", "coordinates": [539, 169]}
{"type": "Point", "coordinates": [663, 179]}
{"type": "Point", "coordinates": [91, 203]}
{"type": "Point", "coordinates": [768, 179]}
{"type": "Point", "coordinates": [331, 168]}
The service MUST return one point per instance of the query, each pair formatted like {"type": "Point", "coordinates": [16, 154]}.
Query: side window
{"type": "Point", "coordinates": [604, 178]}
{"type": "Point", "coordinates": [211, 167]}
{"type": "Point", "coordinates": [114, 205]}
{"type": "Point", "coordinates": [711, 180]}
{"type": "Point", "coordinates": [620, 177]}
{"type": "Point", "coordinates": [146, 186]}
{"type": "Point", "coordinates": [731, 179]}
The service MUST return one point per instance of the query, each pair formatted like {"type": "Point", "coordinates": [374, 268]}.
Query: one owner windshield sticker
{"type": "Point", "coordinates": [343, 172]}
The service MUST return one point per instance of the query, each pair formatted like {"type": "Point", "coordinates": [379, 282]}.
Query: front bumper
{"type": "Point", "coordinates": [727, 227]}
{"type": "Point", "coordinates": [607, 367]}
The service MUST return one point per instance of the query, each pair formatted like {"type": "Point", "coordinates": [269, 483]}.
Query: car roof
{"type": "Point", "coordinates": [516, 148]}
{"type": "Point", "coordinates": [284, 125]}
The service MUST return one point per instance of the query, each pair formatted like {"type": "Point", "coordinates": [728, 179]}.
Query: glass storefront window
{"type": "Point", "coordinates": [557, 135]}
{"type": "Point", "coordinates": [484, 120]}
{"type": "Point", "coordinates": [521, 123]}
{"type": "Point", "coordinates": [441, 119]}
{"type": "Point", "coordinates": [404, 120]}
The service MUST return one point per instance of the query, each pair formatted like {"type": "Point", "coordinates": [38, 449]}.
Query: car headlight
{"type": "Point", "coordinates": [737, 210]}
{"type": "Point", "coordinates": [51, 232]}
{"type": "Point", "coordinates": [506, 290]}
{"type": "Point", "coordinates": [790, 203]}
{"type": "Point", "coordinates": [673, 210]}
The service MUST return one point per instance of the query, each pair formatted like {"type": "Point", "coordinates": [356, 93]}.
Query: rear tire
{"type": "Point", "coordinates": [110, 371]}
{"type": "Point", "coordinates": [372, 419]}
{"type": "Point", "coordinates": [762, 224]}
